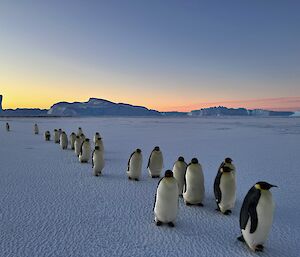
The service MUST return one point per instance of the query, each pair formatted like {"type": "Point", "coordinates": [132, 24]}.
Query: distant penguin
{"type": "Point", "coordinates": [155, 163]}
{"type": "Point", "coordinates": [179, 170]}
{"type": "Point", "coordinates": [134, 167]}
{"type": "Point", "coordinates": [96, 136]}
{"type": "Point", "coordinates": [256, 216]}
{"type": "Point", "coordinates": [7, 126]}
{"type": "Point", "coordinates": [166, 200]}
{"type": "Point", "coordinates": [77, 145]}
{"type": "Point", "coordinates": [85, 151]}
{"type": "Point", "coordinates": [97, 161]}
{"type": "Point", "coordinates": [194, 191]}
{"type": "Point", "coordinates": [225, 187]}
{"type": "Point", "coordinates": [47, 135]}
{"type": "Point", "coordinates": [56, 136]}
{"type": "Point", "coordinates": [63, 140]}
{"type": "Point", "coordinates": [99, 142]}
{"type": "Point", "coordinates": [82, 137]}
{"type": "Point", "coordinates": [36, 129]}
{"type": "Point", "coordinates": [79, 132]}
{"type": "Point", "coordinates": [72, 140]}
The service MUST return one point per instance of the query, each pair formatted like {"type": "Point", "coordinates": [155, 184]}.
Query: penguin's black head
{"type": "Point", "coordinates": [86, 140]}
{"type": "Point", "coordinates": [97, 148]}
{"type": "Point", "coordinates": [181, 159]}
{"type": "Point", "coordinates": [156, 148]}
{"type": "Point", "coordinates": [77, 136]}
{"type": "Point", "coordinates": [138, 150]}
{"type": "Point", "coordinates": [55, 130]}
{"type": "Point", "coordinates": [97, 133]}
{"type": "Point", "coordinates": [79, 128]}
{"type": "Point", "coordinates": [226, 169]}
{"type": "Point", "coordinates": [262, 185]}
{"type": "Point", "coordinates": [228, 160]}
{"type": "Point", "coordinates": [168, 174]}
{"type": "Point", "coordinates": [194, 161]}
{"type": "Point", "coordinates": [73, 133]}
{"type": "Point", "coordinates": [60, 129]}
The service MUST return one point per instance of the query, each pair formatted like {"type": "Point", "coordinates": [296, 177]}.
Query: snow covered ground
{"type": "Point", "coordinates": [51, 205]}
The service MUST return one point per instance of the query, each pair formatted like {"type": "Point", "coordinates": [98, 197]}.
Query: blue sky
{"type": "Point", "coordinates": [162, 54]}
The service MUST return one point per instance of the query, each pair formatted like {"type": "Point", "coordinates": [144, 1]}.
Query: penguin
{"type": "Point", "coordinates": [63, 140]}
{"type": "Point", "coordinates": [79, 132]}
{"type": "Point", "coordinates": [194, 191]}
{"type": "Point", "coordinates": [72, 140]}
{"type": "Point", "coordinates": [97, 161]}
{"type": "Point", "coordinates": [96, 136]}
{"type": "Point", "coordinates": [77, 145]}
{"type": "Point", "coordinates": [47, 135]}
{"type": "Point", "coordinates": [134, 167]}
{"type": "Point", "coordinates": [36, 129]}
{"type": "Point", "coordinates": [166, 200]}
{"type": "Point", "coordinates": [85, 151]}
{"type": "Point", "coordinates": [225, 187]}
{"type": "Point", "coordinates": [56, 136]}
{"type": "Point", "coordinates": [256, 216]}
{"type": "Point", "coordinates": [179, 170]}
{"type": "Point", "coordinates": [82, 137]}
{"type": "Point", "coordinates": [155, 163]}
{"type": "Point", "coordinates": [7, 127]}
{"type": "Point", "coordinates": [99, 142]}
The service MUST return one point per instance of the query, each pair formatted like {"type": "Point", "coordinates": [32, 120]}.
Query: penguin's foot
{"type": "Point", "coordinates": [171, 224]}
{"type": "Point", "coordinates": [218, 209]}
{"type": "Point", "coordinates": [188, 204]}
{"type": "Point", "coordinates": [129, 178]}
{"type": "Point", "coordinates": [155, 176]}
{"type": "Point", "coordinates": [181, 196]}
{"type": "Point", "coordinates": [200, 204]}
{"type": "Point", "coordinates": [227, 212]}
{"type": "Point", "coordinates": [241, 239]}
{"type": "Point", "coordinates": [136, 179]}
{"type": "Point", "coordinates": [158, 223]}
{"type": "Point", "coordinates": [259, 248]}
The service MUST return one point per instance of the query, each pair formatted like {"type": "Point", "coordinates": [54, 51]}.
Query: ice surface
{"type": "Point", "coordinates": [51, 205]}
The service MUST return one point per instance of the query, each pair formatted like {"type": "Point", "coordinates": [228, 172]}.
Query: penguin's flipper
{"type": "Point", "coordinates": [149, 159]}
{"type": "Point", "coordinates": [156, 193]}
{"type": "Point", "coordinates": [217, 190]}
{"type": "Point", "coordinates": [128, 164]}
{"type": "Point", "coordinates": [93, 159]}
{"type": "Point", "coordinates": [249, 209]}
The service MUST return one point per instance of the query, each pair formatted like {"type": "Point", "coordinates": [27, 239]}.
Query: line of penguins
{"type": "Point", "coordinates": [186, 181]}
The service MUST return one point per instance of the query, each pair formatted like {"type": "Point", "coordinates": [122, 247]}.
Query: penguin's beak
{"type": "Point", "coordinates": [274, 186]}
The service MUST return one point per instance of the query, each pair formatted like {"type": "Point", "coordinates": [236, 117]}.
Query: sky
{"type": "Point", "coordinates": [165, 55]}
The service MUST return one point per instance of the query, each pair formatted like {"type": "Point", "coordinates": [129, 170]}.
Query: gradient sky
{"type": "Point", "coordinates": [165, 55]}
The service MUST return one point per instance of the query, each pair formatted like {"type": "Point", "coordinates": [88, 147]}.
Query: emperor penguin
{"type": "Point", "coordinates": [155, 163]}
{"type": "Point", "coordinates": [179, 170]}
{"type": "Point", "coordinates": [7, 126]}
{"type": "Point", "coordinates": [97, 161]}
{"type": "Point", "coordinates": [134, 167]}
{"type": "Point", "coordinates": [225, 187]}
{"type": "Point", "coordinates": [72, 140]}
{"type": "Point", "coordinates": [96, 136]}
{"type": "Point", "coordinates": [85, 151]}
{"type": "Point", "coordinates": [166, 200]}
{"type": "Point", "coordinates": [99, 142]}
{"type": "Point", "coordinates": [79, 132]}
{"type": "Point", "coordinates": [56, 136]}
{"type": "Point", "coordinates": [77, 145]}
{"type": "Point", "coordinates": [47, 135]}
{"type": "Point", "coordinates": [36, 129]}
{"type": "Point", "coordinates": [194, 191]}
{"type": "Point", "coordinates": [256, 216]}
{"type": "Point", "coordinates": [63, 140]}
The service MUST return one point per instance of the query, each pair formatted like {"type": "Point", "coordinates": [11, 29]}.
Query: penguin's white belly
{"type": "Point", "coordinates": [72, 142]}
{"type": "Point", "coordinates": [228, 190]}
{"type": "Point", "coordinates": [98, 161]}
{"type": "Point", "coordinates": [85, 154]}
{"type": "Point", "coordinates": [63, 142]}
{"type": "Point", "coordinates": [156, 165]}
{"type": "Point", "coordinates": [265, 208]}
{"type": "Point", "coordinates": [77, 146]}
{"type": "Point", "coordinates": [135, 167]}
{"type": "Point", "coordinates": [195, 191]}
{"type": "Point", "coordinates": [166, 205]}
{"type": "Point", "coordinates": [179, 174]}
